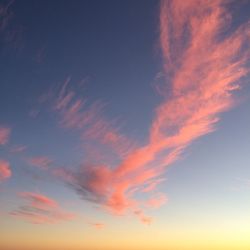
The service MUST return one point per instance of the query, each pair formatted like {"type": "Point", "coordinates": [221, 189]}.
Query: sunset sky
{"type": "Point", "coordinates": [124, 125]}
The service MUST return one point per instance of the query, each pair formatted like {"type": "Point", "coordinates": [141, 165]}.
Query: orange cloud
{"type": "Point", "coordinates": [4, 135]}
{"type": "Point", "coordinates": [40, 209]}
{"type": "Point", "coordinates": [5, 171]}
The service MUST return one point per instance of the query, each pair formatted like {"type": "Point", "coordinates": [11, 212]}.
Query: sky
{"type": "Point", "coordinates": [124, 125]}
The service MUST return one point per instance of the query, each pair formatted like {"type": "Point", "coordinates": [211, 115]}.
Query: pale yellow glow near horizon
{"type": "Point", "coordinates": [74, 237]}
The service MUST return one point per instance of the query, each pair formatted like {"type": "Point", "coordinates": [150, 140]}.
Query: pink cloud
{"type": "Point", "coordinates": [40, 162]}
{"type": "Point", "coordinates": [38, 200]}
{"type": "Point", "coordinates": [5, 15]}
{"type": "Point", "coordinates": [5, 171]}
{"type": "Point", "coordinates": [40, 209]}
{"type": "Point", "coordinates": [4, 135]}
{"type": "Point", "coordinates": [204, 65]}
{"type": "Point", "coordinates": [75, 113]}
{"type": "Point", "coordinates": [105, 133]}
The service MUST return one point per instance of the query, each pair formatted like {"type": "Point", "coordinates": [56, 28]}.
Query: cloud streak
{"type": "Point", "coordinates": [97, 225]}
{"type": "Point", "coordinates": [75, 113]}
{"type": "Point", "coordinates": [40, 209]}
{"type": "Point", "coordinates": [18, 149]}
{"type": "Point", "coordinates": [4, 135]}
{"type": "Point", "coordinates": [42, 162]}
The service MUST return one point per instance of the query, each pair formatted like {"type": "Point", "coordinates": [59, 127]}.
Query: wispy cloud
{"type": "Point", "coordinates": [39, 161]}
{"type": "Point", "coordinates": [75, 113]}
{"type": "Point", "coordinates": [40, 54]}
{"type": "Point", "coordinates": [151, 185]}
{"type": "Point", "coordinates": [5, 171]}
{"type": "Point", "coordinates": [11, 34]}
{"type": "Point", "coordinates": [5, 15]}
{"type": "Point", "coordinates": [34, 113]}
{"type": "Point", "coordinates": [40, 209]}
{"type": "Point", "coordinates": [142, 217]}
{"type": "Point", "coordinates": [204, 61]}
{"type": "Point", "coordinates": [157, 200]}
{"type": "Point", "coordinates": [18, 148]}
{"type": "Point", "coordinates": [97, 225]}
{"type": "Point", "coordinates": [38, 200]}
{"type": "Point", "coordinates": [4, 135]}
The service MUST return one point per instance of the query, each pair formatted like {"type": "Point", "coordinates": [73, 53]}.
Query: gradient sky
{"type": "Point", "coordinates": [124, 125]}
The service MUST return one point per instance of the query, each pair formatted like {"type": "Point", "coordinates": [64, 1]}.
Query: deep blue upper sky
{"type": "Point", "coordinates": [112, 45]}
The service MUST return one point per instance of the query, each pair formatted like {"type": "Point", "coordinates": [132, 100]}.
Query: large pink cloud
{"type": "Point", "coordinates": [204, 62]}
{"type": "Point", "coordinates": [40, 209]}
{"type": "Point", "coordinates": [5, 171]}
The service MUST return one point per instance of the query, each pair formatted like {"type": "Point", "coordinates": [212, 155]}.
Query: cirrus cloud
{"type": "Point", "coordinates": [204, 62]}
{"type": "Point", "coordinates": [40, 209]}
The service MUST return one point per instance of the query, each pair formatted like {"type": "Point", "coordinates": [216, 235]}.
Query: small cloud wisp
{"type": "Point", "coordinates": [5, 171]}
{"type": "Point", "coordinates": [4, 135]}
{"type": "Point", "coordinates": [42, 162]}
{"type": "Point", "coordinates": [40, 209]}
